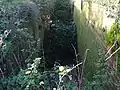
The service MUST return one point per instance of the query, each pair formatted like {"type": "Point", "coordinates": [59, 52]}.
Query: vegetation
{"type": "Point", "coordinates": [23, 65]}
{"type": "Point", "coordinates": [114, 37]}
{"type": "Point", "coordinates": [42, 47]}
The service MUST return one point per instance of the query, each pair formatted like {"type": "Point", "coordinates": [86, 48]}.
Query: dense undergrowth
{"type": "Point", "coordinates": [36, 38]}
{"type": "Point", "coordinates": [23, 65]}
{"type": "Point", "coordinates": [100, 71]}
{"type": "Point", "coordinates": [113, 37]}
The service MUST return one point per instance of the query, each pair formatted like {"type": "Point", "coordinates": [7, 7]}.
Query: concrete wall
{"type": "Point", "coordinates": [96, 14]}
{"type": "Point", "coordinates": [88, 37]}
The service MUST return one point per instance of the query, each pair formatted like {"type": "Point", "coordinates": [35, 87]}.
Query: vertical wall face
{"type": "Point", "coordinates": [88, 38]}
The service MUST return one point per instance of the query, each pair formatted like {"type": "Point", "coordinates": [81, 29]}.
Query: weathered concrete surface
{"type": "Point", "coordinates": [96, 14]}
{"type": "Point", "coordinates": [88, 38]}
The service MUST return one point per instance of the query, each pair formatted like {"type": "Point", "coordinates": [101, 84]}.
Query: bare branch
{"type": "Point", "coordinates": [2, 72]}
{"type": "Point", "coordinates": [112, 54]}
{"type": "Point", "coordinates": [69, 71]}
{"type": "Point", "coordinates": [76, 66]}
{"type": "Point", "coordinates": [110, 49]}
{"type": "Point", "coordinates": [82, 72]}
{"type": "Point", "coordinates": [17, 62]}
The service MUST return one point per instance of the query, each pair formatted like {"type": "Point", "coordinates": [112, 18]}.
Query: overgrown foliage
{"type": "Point", "coordinates": [61, 35]}
{"type": "Point", "coordinates": [27, 64]}
{"type": "Point", "coordinates": [17, 44]}
{"type": "Point", "coordinates": [22, 64]}
{"type": "Point", "coordinates": [28, 79]}
{"type": "Point", "coordinates": [104, 78]}
{"type": "Point", "coordinates": [112, 37]}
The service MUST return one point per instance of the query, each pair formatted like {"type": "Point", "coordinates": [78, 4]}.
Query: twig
{"type": "Point", "coordinates": [82, 72]}
{"type": "Point", "coordinates": [17, 62]}
{"type": "Point", "coordinates": [19, 55]}
{"type": "Point", "coordinates": [110, 49]}
{"type": "Point", "coordinates": [78, 68]}
{"type": "Point", "coordinates": [69, 71]}
{"type": "Point", "coordinates": [2, 72]}
{"type": "Point", "coordinates": [112, 54]}
{"type": "Point", "coordinates": [75, 66]}
{"type": "Point", "coordinates": [75, 52]}
{"type": "Point", "coordinates": [43, 57]}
